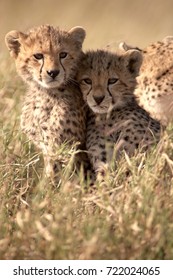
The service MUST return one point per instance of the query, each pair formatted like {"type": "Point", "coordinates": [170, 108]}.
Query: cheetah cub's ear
{"type": "Point", "coordinates": [77, 34]}
{"type": "Point", "coordinates": [13, 40]}
{"type": "Point", "coordinates": [133, 61]}
{"type": "Point", "coordinates": [125, 47]}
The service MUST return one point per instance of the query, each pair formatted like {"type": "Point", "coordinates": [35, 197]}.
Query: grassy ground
{"type": "Point", "coordinates": [127, 218]}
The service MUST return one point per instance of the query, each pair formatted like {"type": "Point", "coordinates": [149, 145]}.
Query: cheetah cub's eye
{"type": "Point", "coordinates": [62, 54]}
{"type": "Point", "coordinates": [38, 56]}
{"type": "Point", "coordinates": [87, 81]}
{"type": "Point", "coordinates": [112, 81]}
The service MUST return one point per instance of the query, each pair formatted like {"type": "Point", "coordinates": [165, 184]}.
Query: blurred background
{"type": "Point", "coordinates": [107, 22]}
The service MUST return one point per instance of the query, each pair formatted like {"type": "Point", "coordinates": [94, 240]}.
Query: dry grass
{"type": "Point", "coordinates": [127, 218]}
{"type": "Point", "coordinates": [106, 21]}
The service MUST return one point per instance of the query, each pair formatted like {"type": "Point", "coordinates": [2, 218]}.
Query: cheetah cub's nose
{"type": "Point", "coordinates": [53, 73]}
{"type": "Point", "coordinates": [98, 99]}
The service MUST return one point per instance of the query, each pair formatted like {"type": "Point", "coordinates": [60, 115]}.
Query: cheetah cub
{"type": "Point", "coordinates": [53, 112]}
{"type": "Point", "coordinates": [116, 122]}
{"type": "Point", "coordinates": [154, 91]}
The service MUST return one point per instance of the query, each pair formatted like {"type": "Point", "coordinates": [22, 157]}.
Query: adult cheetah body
{"type": "Point", "coordinates": [154, 90]}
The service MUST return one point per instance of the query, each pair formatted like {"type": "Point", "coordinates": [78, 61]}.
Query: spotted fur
{"type": "Point", "coordinates": [116, 122]}
{"type": "Point", "coordinates": [53, 111]}
{"type": "Point", "coordinates": [154, 91]}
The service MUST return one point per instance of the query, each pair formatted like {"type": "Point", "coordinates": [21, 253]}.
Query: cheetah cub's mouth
{"type": "Point", "coordinates": [107, 80]}
{"type": "Point", "coordinates": [98, 94]}
{"type": "Point", "coordinates": [53, 75]}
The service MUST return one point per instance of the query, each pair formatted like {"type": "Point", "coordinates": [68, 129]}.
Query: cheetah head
{"type": "Point", "coordinates": [46, 55]}
{"type": "Point", "coordinates": [107, 80]}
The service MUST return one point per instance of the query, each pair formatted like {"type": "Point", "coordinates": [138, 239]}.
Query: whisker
{"type": "Point", "coordinates": [170, 106]}
{"type": "Point", "coordinates": [73, 81]}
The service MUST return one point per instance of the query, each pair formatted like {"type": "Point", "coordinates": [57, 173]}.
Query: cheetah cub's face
{"type": "Point", "coordinates": [107, 80]}
{"type": "Point", "coordinates": [46, 55]}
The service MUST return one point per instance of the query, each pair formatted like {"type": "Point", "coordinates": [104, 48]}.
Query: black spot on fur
{"type": "Point", "coordinates": [102, 146]}
{"type": "Point", "coordinates": [44, 128]}
{"type": "Point", "coordinates": [27, 60]}
{"type": "Point", "coordinates": [61, 122]}
{"type": "Point", "coordinates": [69, 131]}
{"type": "Point", "coordinates": [74, 123]}
{"type": "Point", "coordinates": [126, 138]}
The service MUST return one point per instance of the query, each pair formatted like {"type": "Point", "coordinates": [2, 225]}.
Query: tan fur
{"type": "Point", "coordinates": [154, 90]}
{"type": "Point", "coordinates": [53, 111]}
{"type": "Point", "coordinates": [116, 122]}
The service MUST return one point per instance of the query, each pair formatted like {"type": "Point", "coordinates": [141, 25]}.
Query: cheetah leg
{"type": "Point", "coordinates": [100, 159]}
{"type": "Point", "coordinates": [49, 166]}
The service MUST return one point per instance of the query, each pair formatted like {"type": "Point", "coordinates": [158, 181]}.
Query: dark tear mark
{"type": "Point", "coordinates": [63, 69]}
{"type": "Point", "coordinates": [41, 68]}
